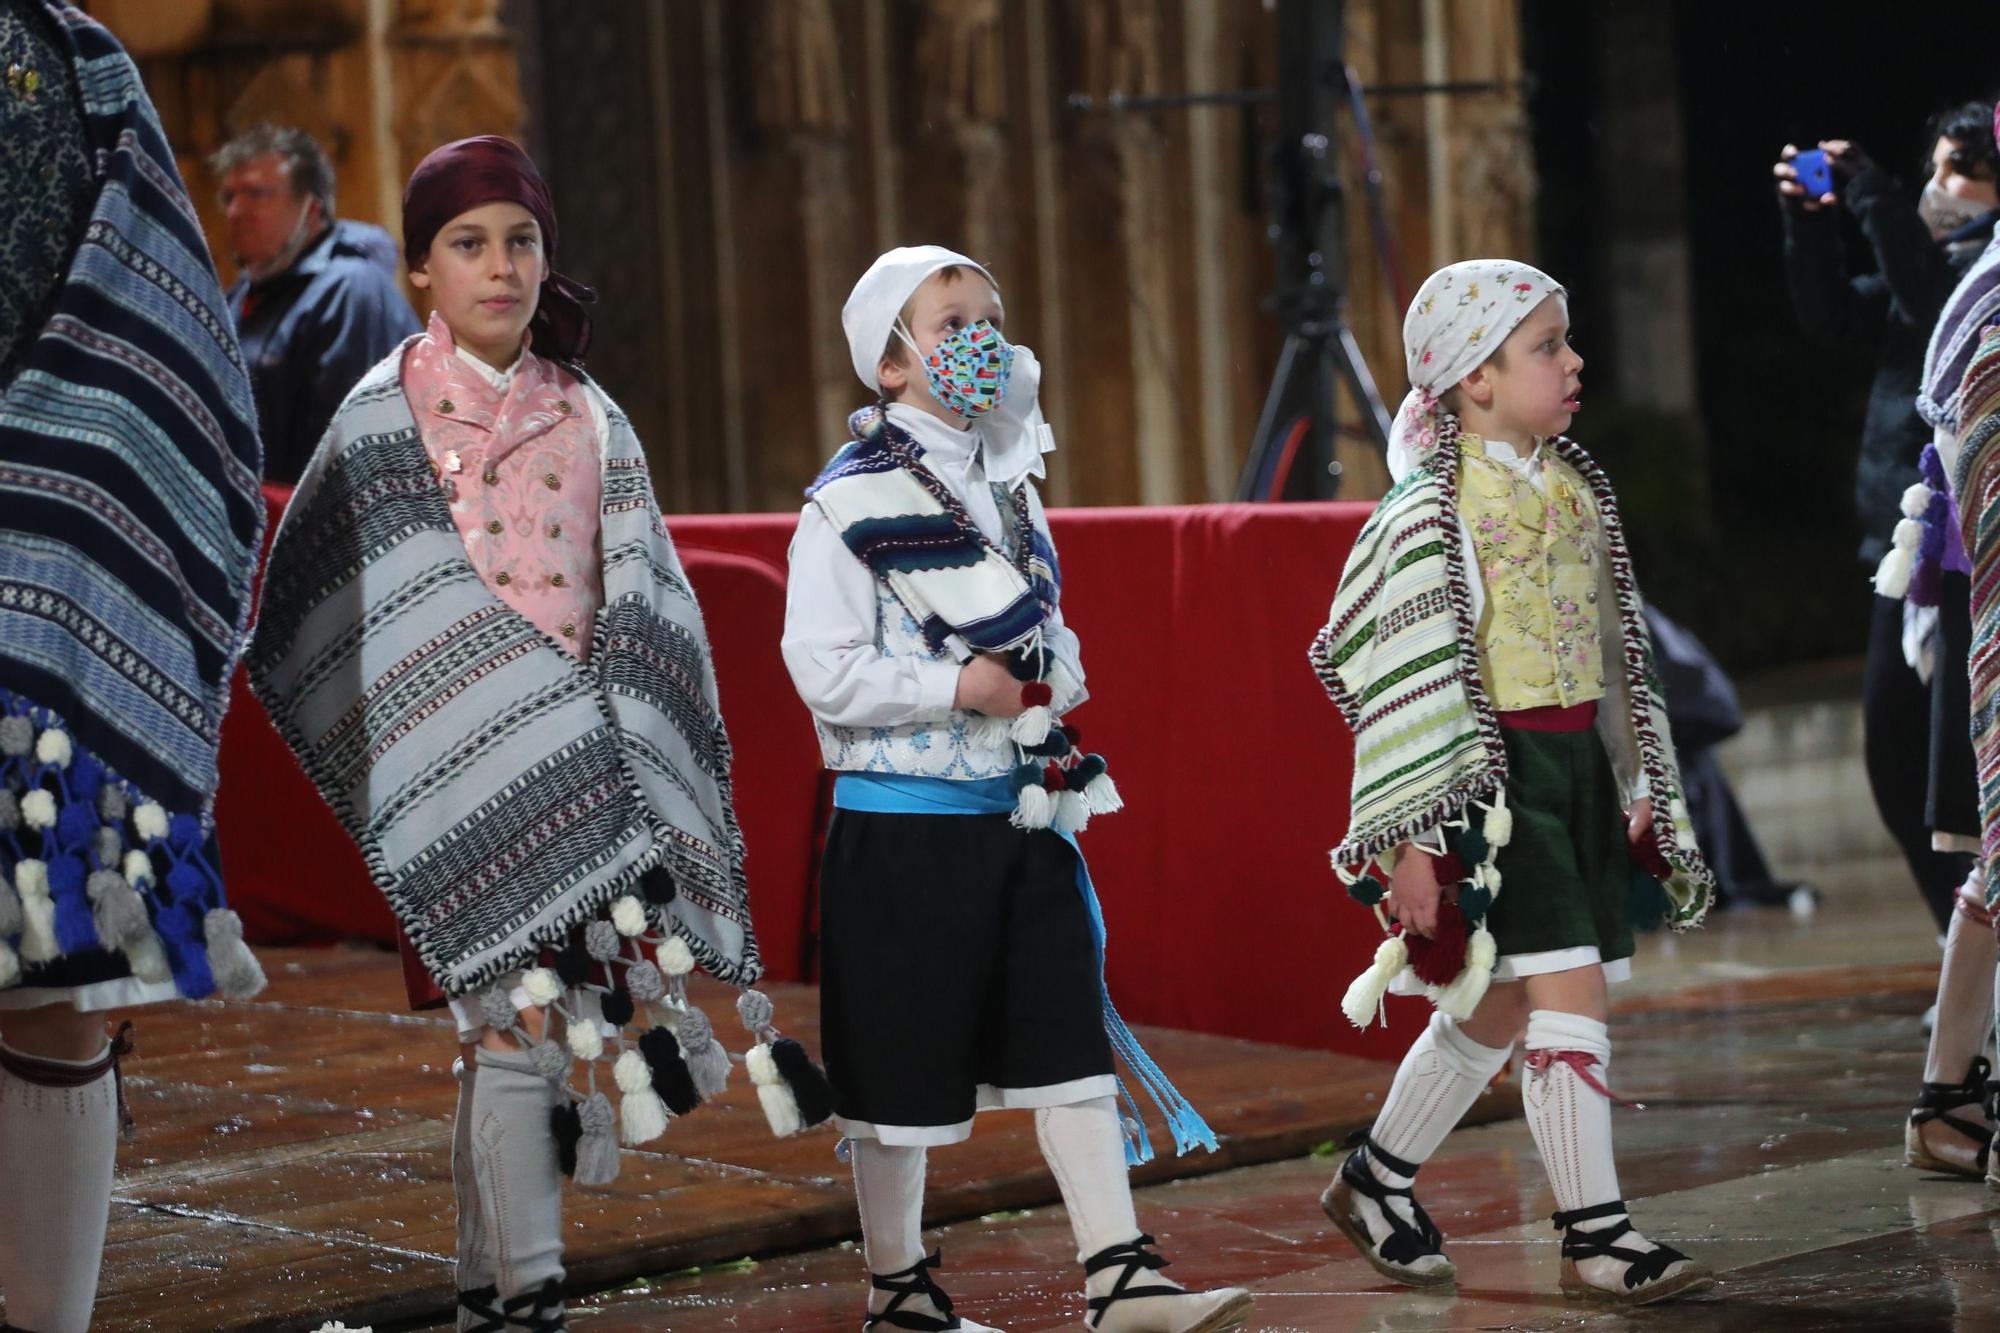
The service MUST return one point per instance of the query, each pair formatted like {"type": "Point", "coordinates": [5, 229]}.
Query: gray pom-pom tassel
{"type": "Point", "coordinates": [550, 1059]}
{"type": "Point", "coordinates": [11, 920]}
{"type": "Point", "coordinates": [17, 735]}
{"type": "Point", "coordinates": [756, 1010]}
{"type": "Point", "coordinates": [107, 847]}
{"type": "Point", "coordinates": [497, 1008]}
{"type": "Point", "coordinates": [117, 909]}
{"type": "Point", "coordinates": [644, 983]}
{"type": "Point", "coordinates": [706, 1059]}
{"type": "Point", "coordinates": [237, 972]}
{"type": "Point", "coordinates": [600, 940]}
{"type": "Point", "coordinates": [113, 804]}
{"type": "Point", "coordinates": [597, 1151]}
{"type": "Point", "coordinates": [10, 811]}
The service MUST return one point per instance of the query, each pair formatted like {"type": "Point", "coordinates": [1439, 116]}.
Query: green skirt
{"type": "Point", "coordinates": [1565, 877]}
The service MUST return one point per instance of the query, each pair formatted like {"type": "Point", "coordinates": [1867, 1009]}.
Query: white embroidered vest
{"type": "Point", "coordinates": [935, 749]}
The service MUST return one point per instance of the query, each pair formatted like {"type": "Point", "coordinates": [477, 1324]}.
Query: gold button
{"type": "Point", "coordinates": [14, 77]}
{"type": "Point", "coordinates": [503, 578]}
{"type": "Point", "coordinates": [446, 405]}
{"type": "Point", "coordinates": [434, 467]}
{"type": "Point", "coordinates": [562, 406]}
{"type": "Point", "coordinates": [489, 476]}
{"type": "Point", "coordinates": [552, 481]}
{"type": "Point", "coordinates": [494, 527]}
{"type": "Point", "coordinates": [556, 581]}
{"type": "Point", "coordinates": [555, 530]}
{"type": "Point", "coordinates": [33, 82]}
{"type": "Point", "coordinates": [569, 631]}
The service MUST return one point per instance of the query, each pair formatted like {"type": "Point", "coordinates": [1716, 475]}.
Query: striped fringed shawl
{"type": "Point", "coordinates": [1977, 486]}
{"type": "Point", "coordinates": [1973, 306]}
{"type": "Point", "coordinates": [502, 792]}
{"type": "Point", "coordinates": [912, 532]}
{"type": "Point", "coordinates": [1399, 655]}
{"type": "Point", "coordinates": [130, 514]}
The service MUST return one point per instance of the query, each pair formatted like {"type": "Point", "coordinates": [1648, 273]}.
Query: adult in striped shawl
{"type": "Point", "coordinates": [129, 521]}
{"type": "Point", "coordinates": [1513, 778]}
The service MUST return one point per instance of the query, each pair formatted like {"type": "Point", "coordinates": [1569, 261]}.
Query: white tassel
{"type": "Point", "coordinates": [150, 820]}
{"type": "Point", "coordinates": [1499, 826]}
{"type": "Point", "coordinates": [1892, 576]}
{"type": "Point", "coordinates": [988, 733]}
{"type": "Point", "coordinates": [38, 809]}
{"type": "Point", "coordinates": [1072, 812]}
{"type": "Point", "coordinates": [585, 1041]}
{"type": "Point", "coordinates": [148, 959]}
{"type": "Point", "coordinates": [676, 959]}
{"type": "Point", "coordinates": [1032, 726]}
{"type": "Point", "coordinates": [1102, 794]}
{"type": "Point", "coordinates": [642, 1116]}
{"type": "Point", "coordinates": [1916, 500]}
{"type": "Point", "coordinates": [1364, 995]}
{"type": "Point", "coordinates": [38, 911]}
{"type": "Point", "coordinates": [138, 868]}
{"type": "Point", "coordinates": [1036, 807]}
{"type": "Point", "coordinates": [763, 1068]}
{"type": "Point", "coordinates": [53, 747]}
{"type": "Point", "coordinates": [1487, 877]}
{"type": "Point", "coordinates": [1468, 988]}
{"type": "Point", "coordinates": [781, 1109]}
{"type": "Point", "coordinates": [1908, 535]}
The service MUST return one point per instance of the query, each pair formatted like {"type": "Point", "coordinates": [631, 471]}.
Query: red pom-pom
{"type": "Point", "coordinates": [1450, 869]}
{"type": "Point", "coordinates": [1075, 735]}
{"type": "Point", "coordinates": [1645, 854]}
{"type": "Point", "coordinates": [1037, 694]}
{"type": "Point", "coordinates": [1053, 779]}
{"type": "Point", "coordinates": [1438, 960]}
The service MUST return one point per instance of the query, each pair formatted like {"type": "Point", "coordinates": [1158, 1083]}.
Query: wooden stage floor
{"type": "Point", "coordinates": [292, 1163]}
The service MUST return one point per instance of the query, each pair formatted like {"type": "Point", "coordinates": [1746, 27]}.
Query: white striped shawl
{"type": "Point", "coordinates": [1399, 656]}
{"type": "Point", "coordinates": [502, 792]}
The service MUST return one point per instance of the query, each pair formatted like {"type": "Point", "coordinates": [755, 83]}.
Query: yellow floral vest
{"type": "Point", "coordinates": [1540, 635]}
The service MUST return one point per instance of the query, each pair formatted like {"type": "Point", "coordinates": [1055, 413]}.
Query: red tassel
{"type": "Point", "coordinates": [1450, 869]}
{"type": "Point", "coordinates": [1037, 694]}
{"type": "Point", "coordinates": [1052, 778]}
{"type": "Point", "coordinates": [1438, 961]}
{"type": "Point", "coordinates": [1075, 736]}
{"type": "Point", "coordinates": [1646, 855]}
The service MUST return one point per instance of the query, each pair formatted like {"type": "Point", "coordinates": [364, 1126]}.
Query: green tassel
{"type": "Point", "coordinates": [1367, 890]}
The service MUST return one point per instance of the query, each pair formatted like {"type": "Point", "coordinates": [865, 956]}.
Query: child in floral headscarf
{"type": "Point", "coordinates": [1486, 648]}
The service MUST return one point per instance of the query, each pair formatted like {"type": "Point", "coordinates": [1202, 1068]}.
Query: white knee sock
{"type": "Point", "coordinates": [889, 1193]}
{"type": "Point", "coordinates": [1086, 1152]}
{"type": "Point", "coordinates": [58, 1144]}
{"type": "Point", "coordinates": [517, 1241]}
{"type": "Point", "coordinates": [1964, 1001]}
{"type": "Point", "coordinates": [1571, 1122]}
{"type": "Point", "coordinates": [475, 1256]}
{"type": "Point", "coordinates": [1437, 1083]}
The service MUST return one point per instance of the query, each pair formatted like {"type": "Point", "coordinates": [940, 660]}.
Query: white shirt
{"type": "Point", "coordinates": [831, 599]}
{"type": "Point", "coordinates": [500, 379]}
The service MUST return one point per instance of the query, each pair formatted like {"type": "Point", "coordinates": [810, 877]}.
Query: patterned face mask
{"type": "Point", "coordinates": [968, 369]}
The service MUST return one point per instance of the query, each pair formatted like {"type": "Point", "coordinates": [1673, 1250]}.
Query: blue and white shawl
{"type": "Point", "coordinates": [130, 518]}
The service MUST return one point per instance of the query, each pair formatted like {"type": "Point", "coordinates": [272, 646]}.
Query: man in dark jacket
{"type": "Point", "coordinates": [1921, 247]}
{"type": "Point", "coordinates": [317, 302]}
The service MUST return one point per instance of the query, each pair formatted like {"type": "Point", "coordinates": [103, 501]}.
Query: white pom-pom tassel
{"type": "Point", "coordinates": [1916, 500]}
{"type": "Point", "coordinates": [642, 1116]}
{"type": "Point", "coordinates": [1102, 793]}
{"type": "Point", "coordinates": [150, 820]}
{"type": "Point", "coordinates": [781, 1109]}
{"type": "Point", "coordinates": [1499, 825]}
{"type": "Point", "coordinates": [1364, 995]}
{"type": "Point", "coordinates": [38, 809]}
{"type": "Point", "coordinates": [138, 868]}
{"type": "Point", "coordinates": [1035, 808]}
{"type": "Point", "coordinates": [542, 985]}
{"type": "Point", "coordinates": [1468, 988]}
{"type": "Point", "coordinates": [53, 747]}
{"type": "Point", "coordinates": [585, 1041]}
{"type": "Point", "coordinates": [148, 959]}
{"type": "Point", "coordinates": [1032, 726]}
{"type": "Point", "coordinates": [38, 911]}
{"type": "Point", "coordinates": [676, 959]}
{"type": "Point", "coordinates": [988, 733]}
{"type": "Point", "coordinates": [1487, 877]}
{"type": "Point", "coordinates": [1892, 576]}
{"type": "Point", "coordinates": [1908, 535]}
{"type": "Point", "coordinates": [762, 1067]}
{"type": "Point", "coordinates": [1072, 812]}
{"type": "Point", "coordinates": [628, 914]}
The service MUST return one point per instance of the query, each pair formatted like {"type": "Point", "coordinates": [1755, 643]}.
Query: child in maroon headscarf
{"type": "Point", "coordinates": [478, 638]}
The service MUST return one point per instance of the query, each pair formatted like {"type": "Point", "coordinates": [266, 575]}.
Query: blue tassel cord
{"type": "Point", "coordinates": [163, 907]}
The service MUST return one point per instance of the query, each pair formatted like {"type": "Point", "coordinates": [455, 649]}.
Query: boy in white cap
{"type": "Point", "coordinates": [962, 948]}
{"type": "Point", "coordinates": [1487, 650]}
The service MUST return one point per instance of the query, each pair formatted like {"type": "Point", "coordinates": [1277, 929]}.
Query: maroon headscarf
{"type": "Point", "coordinates": [488, 169]}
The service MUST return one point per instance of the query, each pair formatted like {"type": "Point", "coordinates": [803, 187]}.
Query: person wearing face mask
{"type": "Point", "coordinates": [961, 944]}
{"type": "Point", "coordinates": [1921, 246]}
{"type": "Point", "coordinates": [316, 300]}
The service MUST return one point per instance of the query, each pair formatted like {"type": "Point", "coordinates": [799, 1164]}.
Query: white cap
{"type": "Point", "coordinates": [872, 307]}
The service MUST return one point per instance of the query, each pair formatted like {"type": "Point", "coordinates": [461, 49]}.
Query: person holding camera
{"type": "Point", "coordinates": [1917, 738]}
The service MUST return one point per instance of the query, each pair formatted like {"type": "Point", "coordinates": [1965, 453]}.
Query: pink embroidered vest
{"type": "Point", "coordinates": [520, 467]}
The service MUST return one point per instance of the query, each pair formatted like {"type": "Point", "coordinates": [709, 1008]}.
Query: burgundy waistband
{"type": "Point", "coordinates": [1554, 717]}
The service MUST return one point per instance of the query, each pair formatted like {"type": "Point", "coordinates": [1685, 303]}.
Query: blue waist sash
{"type": "Point", "coordinates": [904, 794]}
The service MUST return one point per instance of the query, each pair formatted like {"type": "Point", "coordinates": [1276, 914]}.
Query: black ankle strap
{"type": "Point", "coordinates": [916, 1280]}
{"type": "Point", "coordinates": [538, 1311]}
{"type": "Point", "coordinates": [484, 1304]}
{"type": "Point", "coordinates": [1378, 1154]}
{"type": "Point", "coordinates": [1937, 1101]}
{"type": "Point", "coordinates": [1135, 1257]}
{"type": "Point", "coordinates": [1641, 1266]}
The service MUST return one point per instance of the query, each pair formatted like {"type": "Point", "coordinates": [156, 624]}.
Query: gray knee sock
{"type": "Point", "coordinates": [516, 1179]}
{"type": "Point", "coordinates": [58, 1142]}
